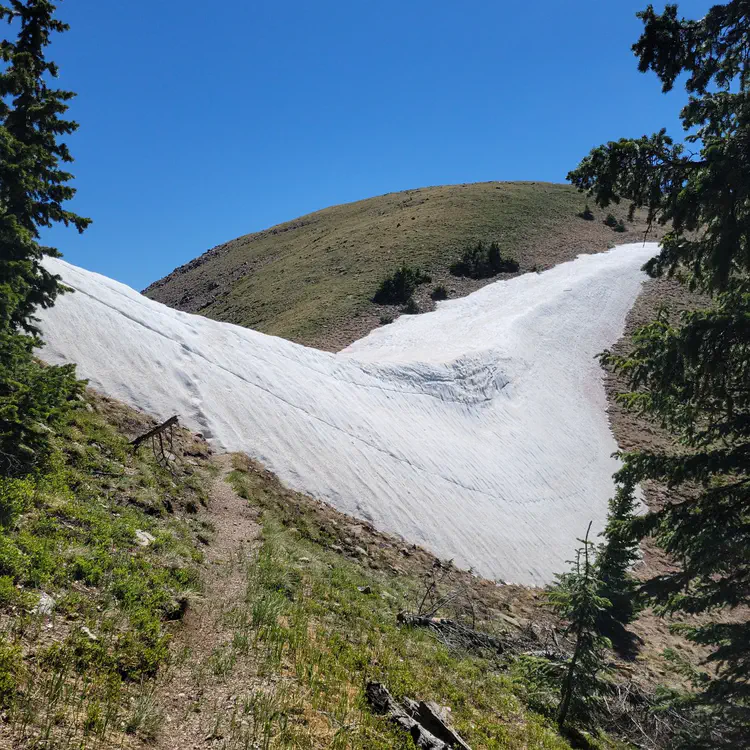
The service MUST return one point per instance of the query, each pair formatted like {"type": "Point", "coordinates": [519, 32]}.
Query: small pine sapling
{"type": "Point", "coordinates": [576, 598]}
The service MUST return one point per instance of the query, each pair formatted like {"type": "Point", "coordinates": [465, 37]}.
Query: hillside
{"type": "Point", "coordinates": [252, 616]}
{"type": "Point", "coordinates": [311, 280]}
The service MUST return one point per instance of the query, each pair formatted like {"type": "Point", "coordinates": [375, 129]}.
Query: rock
{"type": "Point", "coordinates": [356, 531]}
{"type": "Point", "coordinates": [361, 551]}
{"type": "Point", "coordinates": [45, 606]}
{"type": "Point", "coordinates": [143, 538]}
{"type": "Point", "coordinates": [508, 619]}
{"type": "Point", "coordinates": [337, 548]}
{"type": "Point", "coordinates": [88, 633]}
{"type": "Point", "coordinates": [364, 589]}
{"type": "Point", "coordinates": [427, 723]}
{"type": "Point", "coordinates": [304, 559]}
{"type": "Point", "coordinates": [387, 596]}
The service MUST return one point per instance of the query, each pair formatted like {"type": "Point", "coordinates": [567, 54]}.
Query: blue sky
{"type": "Point", "coordinates": [201, 122]}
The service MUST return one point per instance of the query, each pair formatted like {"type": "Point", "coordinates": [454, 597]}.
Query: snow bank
{"type": "Point", "coordinates": [478, 430]}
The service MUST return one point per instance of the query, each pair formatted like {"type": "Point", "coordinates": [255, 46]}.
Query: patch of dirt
{"type": "Point", "coordinates": [190, 693]}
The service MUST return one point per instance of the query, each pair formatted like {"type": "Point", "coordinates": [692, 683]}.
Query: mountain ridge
{"type": "Point", "coordinates": [312, 279]}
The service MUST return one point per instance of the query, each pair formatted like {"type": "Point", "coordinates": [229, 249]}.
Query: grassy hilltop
{"type": "Point", "coordinates": [312, 279]}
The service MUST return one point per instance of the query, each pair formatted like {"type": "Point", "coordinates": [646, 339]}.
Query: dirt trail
{"type": "Point", "coordinates": [195, 690]}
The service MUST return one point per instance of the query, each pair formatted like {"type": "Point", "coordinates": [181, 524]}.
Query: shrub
{"type": "Point", "coordinates": [34, 399]}
{"type": "Point", "coordinates": [439, 293]}
{"type": "Point", "coordinates": [610, 221]}
{"type": "Point", "coordinates": [399, 287]}
{"type": "Point", "coordinates": [386, 320]}
{"type": "Point", "coordinates": [586, 214]}
{"type": "Point", "coordinates": [411, 307]}
{"type": "Point", "coordinates": [619, 227]}
{"type": "Point", "coordinates": [10, 596]}
{"type": "Point", "coordinates": [15, 498]}
{"type": "Point", "coordinates": [13, 562]}
{"type": "Point", "coordinates": [480, 262]}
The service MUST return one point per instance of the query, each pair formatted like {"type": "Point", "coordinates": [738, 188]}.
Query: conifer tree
{"type": "Point", "coordinates": [33, 188]}
{"type": "Point", "coordinates": [576, 598]}
{"type": "Point", "coordinates": [33, 184]}
{"type": "Point", "coordinates": [615, 559]}
{"type": "Point", "coordinates": [692, 376]}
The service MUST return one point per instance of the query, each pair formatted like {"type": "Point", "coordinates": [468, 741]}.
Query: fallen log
{"type": "Point", "coordinates": [453, 633]}
{"type": "Point", "coordinates": [153, 432]}
{"type": "Point", "coordinates": [427, 723]}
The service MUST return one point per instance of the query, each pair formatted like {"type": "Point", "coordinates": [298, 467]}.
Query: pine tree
{"type": "Point", "coordinates": [576, 598]}
{"type": "Point", "coordinates": [33, 186]}
{"type": "Point", "coordinates": [615, 559]}
{"type": "Point", "coordinates": [692, 375]}
{"type": "Point", "coordinates": [33, 189]}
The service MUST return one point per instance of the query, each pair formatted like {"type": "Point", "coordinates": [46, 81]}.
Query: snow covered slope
{"type": "Point", "coordinates": [478, 430]}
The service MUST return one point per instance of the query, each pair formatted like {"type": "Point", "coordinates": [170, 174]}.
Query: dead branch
{"type": "Point", "coordinates": [453, 633]}
{"type": "Point", "coordinates": [153, 432]}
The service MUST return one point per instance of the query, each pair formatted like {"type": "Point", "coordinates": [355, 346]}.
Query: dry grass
{"type": "Point", "coordinates": [311, 280]}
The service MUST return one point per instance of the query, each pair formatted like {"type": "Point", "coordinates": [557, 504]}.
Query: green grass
{"type": "Point", "coordinates": [69, 531]}
{"type": "Point", "coordinates": [310, 279]}
{"type": "Point", "coordinates": [306, 620]}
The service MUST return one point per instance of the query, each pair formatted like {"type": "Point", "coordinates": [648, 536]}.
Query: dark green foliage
{"type": "Point", "coordinates": [691, 376]}
{"type": "Point", "coordinates": [33, 189]}
{"type": "Point", "coordinates": [610, 221]}
{"type": "Point", "coordinates": [483, 262]}
{"type": "Point", "coordinates": [386, 320]}
{"type": "Point", "coordinates": [411, 307]}
{"type": "Point", "coordinates": [577, 599]}
{"type": "Point", "coordinates": [615, 559]}
{"type": "Point", "coordinates": [399, 287]}
{"type": "Point", "coordinates": [33, 186]}
{"type": "Point", "coordinates": [703, 190]}
{"type": "Point", "coordinates": [33, 401]}
{"type": "Point", "coordinates": [619, 227]}
{"type": "Point", "coordinates": [587, 213]}
{"type": "Point", "coordinates": [439, 293]}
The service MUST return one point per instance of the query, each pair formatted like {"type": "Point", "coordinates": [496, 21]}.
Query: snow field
{"type": "Point", "coordinates": [478, 430]}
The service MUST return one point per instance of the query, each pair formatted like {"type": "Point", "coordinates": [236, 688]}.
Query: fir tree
{"type": "Point", "coordinates": [691, 376]}
{"type": "Point", "coordinates": [33, 185]}
{"type": "Point", "coordinates": [576, 598]}
{"type": "Point", "coordinates": [615, 559]}
{"type": "Point", "coordinates": [33, 189]}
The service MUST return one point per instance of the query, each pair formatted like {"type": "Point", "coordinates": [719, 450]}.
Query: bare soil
{"type": "Point", "coordinates": [190, 692]}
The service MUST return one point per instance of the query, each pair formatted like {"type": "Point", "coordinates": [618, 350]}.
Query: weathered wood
{"type": "Point", "coordinates": [425, 722]}
{"type": "Point", "coordinates": [155, 431]}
